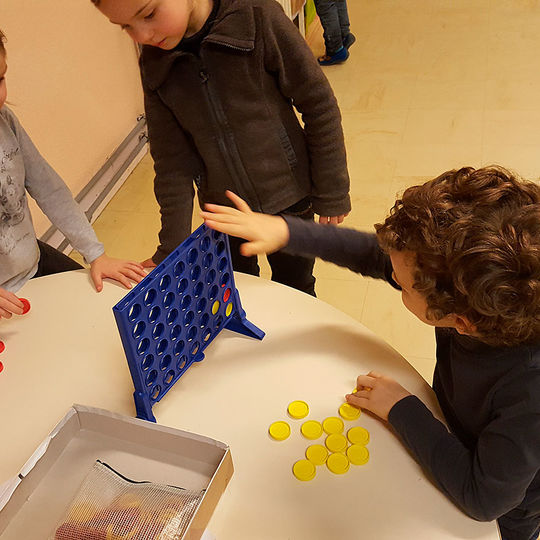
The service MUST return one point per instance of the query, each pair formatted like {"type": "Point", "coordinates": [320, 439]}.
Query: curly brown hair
{"type": "Point", "coordinates": [476, 239]}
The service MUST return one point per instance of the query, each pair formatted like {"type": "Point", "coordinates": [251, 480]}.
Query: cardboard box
{"type": "Point", "coordinates": [32, 504]}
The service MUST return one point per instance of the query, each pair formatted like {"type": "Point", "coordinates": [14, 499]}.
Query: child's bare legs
{"type": "Point", "coordinates": [337, 36]}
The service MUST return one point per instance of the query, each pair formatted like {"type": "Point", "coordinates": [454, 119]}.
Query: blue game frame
{"type": "Point", "coordinates": [168, 320]}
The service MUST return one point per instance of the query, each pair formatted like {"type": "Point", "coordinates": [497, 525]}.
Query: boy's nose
{"type": "Point", "coordinates": [143, 35]}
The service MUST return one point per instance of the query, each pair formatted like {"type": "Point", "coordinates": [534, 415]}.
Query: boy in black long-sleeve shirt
{"type": "Point", "coordinates": [464, 249]}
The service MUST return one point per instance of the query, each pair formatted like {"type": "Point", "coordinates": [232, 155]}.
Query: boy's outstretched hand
{"type": "Point", "coordinates": [377, 393]}
{"type": "Point", "coordinates": [264, 233]}
{"type": "Point", "coordinates": [9, 304]}
{"type": "Point", "coordinates": [122, 271]}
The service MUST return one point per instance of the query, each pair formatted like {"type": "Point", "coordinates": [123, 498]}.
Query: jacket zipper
{"type": "Point", "coordinates": [227, 145]}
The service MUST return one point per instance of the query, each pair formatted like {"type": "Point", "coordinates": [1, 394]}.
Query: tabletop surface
{"type": "Point", "coordinates": [67, 350]}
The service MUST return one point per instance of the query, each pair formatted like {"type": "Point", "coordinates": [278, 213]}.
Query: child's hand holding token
{"type": "Point", "coordinates": [10, 304]}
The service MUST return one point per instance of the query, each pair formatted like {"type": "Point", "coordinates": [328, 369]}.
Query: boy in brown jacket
{"type": "Point", "coordinates": [222, 80]}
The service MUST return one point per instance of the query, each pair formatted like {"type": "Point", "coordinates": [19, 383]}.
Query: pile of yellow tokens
{"type": "Point", "coordinates": [338, 452]}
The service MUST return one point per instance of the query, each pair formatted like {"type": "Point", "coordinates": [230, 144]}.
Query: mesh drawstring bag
{"type": "Point", "coordinates": [109, 506]}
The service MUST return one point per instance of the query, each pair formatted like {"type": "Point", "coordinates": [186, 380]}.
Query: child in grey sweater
{"type": "Point", "coordinates": [22, 256]}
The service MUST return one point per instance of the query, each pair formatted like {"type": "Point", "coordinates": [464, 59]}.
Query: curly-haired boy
{"type": "Point", "coordinates": [464, 249]}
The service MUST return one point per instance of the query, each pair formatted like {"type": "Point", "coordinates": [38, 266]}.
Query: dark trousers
{"type": "Point", "coordinates": [52, 261]}
{"type": "Point", "coordinates": [293, 270]}
{"type": "Point", "coordinates": [335, 22]}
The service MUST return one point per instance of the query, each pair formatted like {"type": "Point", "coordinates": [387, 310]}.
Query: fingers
{"type": "Point", "coordinates": [248, 249]}
{"type": "Point", "coordinates": [148, 263]}
{"type": "Point", "coordinates": [98, 281]}
{"type": "Point", "coordinates": [238, 202]}
{"type": "Point", "coordinates": [323, 220]}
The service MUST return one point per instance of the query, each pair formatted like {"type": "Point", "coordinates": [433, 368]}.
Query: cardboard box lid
{"type": "Point", "coordinates": [139, 449]}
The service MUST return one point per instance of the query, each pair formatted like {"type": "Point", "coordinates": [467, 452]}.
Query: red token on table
{"type": "Point", "coordinates": [2, 347]}
{"type": "Point", "coordinates": [26, 305]}
{"type": "Point", "coordinates": [1, 367]}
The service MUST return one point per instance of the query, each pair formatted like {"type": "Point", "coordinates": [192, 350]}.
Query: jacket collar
{"type": "Point", "coordinates": [234, 28]}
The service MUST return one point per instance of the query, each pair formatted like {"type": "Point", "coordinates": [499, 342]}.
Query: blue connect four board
{"type": "Point", "coordinates": [169, 318]}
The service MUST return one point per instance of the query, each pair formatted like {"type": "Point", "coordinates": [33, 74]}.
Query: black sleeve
{"type": "Point", "coordinates": [486, 481]}
{"type": "Point", "coordinates": [359, 251]}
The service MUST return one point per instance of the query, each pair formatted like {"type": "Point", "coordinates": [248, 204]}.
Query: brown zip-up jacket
{"type": "Point", "coordinates": [225, 120]}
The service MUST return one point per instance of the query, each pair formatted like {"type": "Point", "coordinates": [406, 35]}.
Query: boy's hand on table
{"type": "Point", "coordinates": [377, 393]}
{"type": "Point", "coordinates": [264, 233]}
{"type": "Point", "coordinates": [332, 220]}
{"type": "Point", "coordinates": [122, 271]}
{"type": "Point", "coordinates": [9, 304]}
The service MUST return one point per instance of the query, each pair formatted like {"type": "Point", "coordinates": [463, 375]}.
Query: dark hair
{"type": "Point", "coordinates": [95, 2]}
{"type": "Point", "coordinates": [476, 238]}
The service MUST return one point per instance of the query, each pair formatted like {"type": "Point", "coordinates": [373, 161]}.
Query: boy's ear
{"type": "Point", "coordinates": [464, 326]}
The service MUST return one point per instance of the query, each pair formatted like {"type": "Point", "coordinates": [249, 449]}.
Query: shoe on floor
{"type": "Point", "coordinates": [336, 58]}
{"type": "Point", "coordinates": [349, 40]}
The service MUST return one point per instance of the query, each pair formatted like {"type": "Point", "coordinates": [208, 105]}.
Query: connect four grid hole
{"type": "Point", "coordinates": [168, 300]}
{"type": "Point", "coordinates": [182, 286]}
{"type": "Point", "coordinates": [175, 332]}
{"type": "Point", "coordinates": [195, 273]}
{"type": "Point", "coordinates": [134, 312]}
{"type": "Point", "coordinates": [228, 310]}
{"type": "Point", "coordinates": [154, 314]}
{"type": "Point", "coordinates": [139, 329]}
{"type": "Point", "coordinates": [162, 346]}
{"type": "Point", "coordinates": [220, 247]}
{"type": "Point", "coordinates": [178, 348]}
{"type": "Point", "coordinates": [207, 260]}
{"type": "Point", "coordinates": [201, 305]}
{"type": "Point", "coordinates": [164, 283]}
{"type": "Point", "coordinates": [224, 279]}
{"type": "Point", "coordinates": [149, 297]}
{"type": "Point", "coordinates": [186, 301]}
{"type": "Point", "coordinates": [188, 318]}
{"type": "Point", "coordinates": [207, 335]}
{"type": "Point", "coordinates": [155, 392]}
{"type": "Point", "coordinates": [204, 320]}
{"type": "Point", "coordinates": [226, 295]}
{"type": "Point", "coordinates": [169, 377]}
{"type": "Point", "coordinates": [172, 316]}
{"type": "Point", "coordinates": [158, 330]}
{"type": "Point", "coordinates": [199, 288]}
{"type": "Point", "coordinates": [182, 361]}
{"type": "Point", "coordinates": [151, 377]}
{"type": "Point", "coordinates": [192, 256]}
{"type": "Point", "coordinates": [216, 235]}
{"type": "Point", "coordinates": [179, 269]}
{"type": "Point", "coordinates": [222, 264]}
{"type": "Point", "coordinates": [147, 362]}
{"type": "Point", "coordinates": [215, 307]}
{"type": "Point", "coordinates": [205, 244]}
{"type": "Point", "coordinates": [211, 276]}
{"type": "Point", "coordinates": [191, 334]}
{"type": "Point", "coordinates": [195, 348]}
{"type": "Point", "coordinates": [143, 345]}
{"type": "Point", "coordinates": [219, 322]}
{"type": "Point", "coordinates": [165, 362]}
{"type": "Point", "coordinates": [213, 292]}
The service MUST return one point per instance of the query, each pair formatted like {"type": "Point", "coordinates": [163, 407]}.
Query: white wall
{"type": "Point", "coordinates": [73, 81]}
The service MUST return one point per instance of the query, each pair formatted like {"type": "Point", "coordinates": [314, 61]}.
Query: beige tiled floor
{"type": "Point", "coordinates": [430, 85]}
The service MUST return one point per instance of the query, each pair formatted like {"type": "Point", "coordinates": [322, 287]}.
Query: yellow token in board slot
{"type": "Point", "coordinates": [358, 455]}
{"type": "Point", "coordinates": [215, 307]}
{"type": "Point", "coordinates": [279, 430]}
{"type": "Point", "coordinates": [336, 442]}
{"type": "Point", "coordinates": [304, 470]}
{"type": "Point", "coordinates": [228, 309]}
{"type": "Point", "coordinates": [298, 409]}
{"type": "Point", "coordinates": [333, 424]}
{"type": "Point", "coordinates": [317, 454]}
{"type": "Point", "coordinates": [338, 463]}
{"type": "Point", "coordinates": [311, 429]}
{"type": "Point", "coordinates": [358, 435]}
{"type": "Point", "coordinates": [348, 412]}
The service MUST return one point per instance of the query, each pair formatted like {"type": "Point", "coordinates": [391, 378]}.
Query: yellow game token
{"type": "Point", "coordinates": [358, 455]}
{"type": "Point", "coordinates": [228, 310]}
{"type": "Point", "coordinates": [311, 429]}
{"type": "Point", "coordinates": [358, 435]}
{"type": "Point", "coordinates": [304, 470]}
{"type": "Point", "coordinates": [298, 409]}
{"type": "Point", "coordinates": [349, 412]}
{"type": "Point", "coordinates": [215, 307]}
{"type": "Point", "coordinates": [336, 442]}
{"type": "Point", "coordinates": [338, 463]}
{"type": "Point", "coordinates": [279, 430]}
{"type": "Point", "coordinates": [317, 454]}
{"type": "Point", "coordinates": [333, 424]}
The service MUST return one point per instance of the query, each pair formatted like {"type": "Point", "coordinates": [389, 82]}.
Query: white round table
{"type": "Point", "coordinates": [67, 350]}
